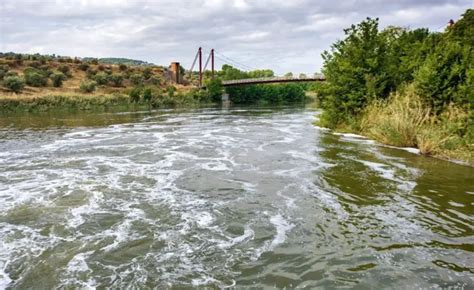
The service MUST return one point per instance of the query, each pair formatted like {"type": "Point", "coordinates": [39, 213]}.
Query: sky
{"type": "Point", "coordinates": [282, 35]}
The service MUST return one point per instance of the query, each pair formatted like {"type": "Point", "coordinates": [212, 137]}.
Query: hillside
{"type": "Point", "coordinates": [35, 75]}
{"type": "Point", "coordinates": [27, 81]}
{"type": "Point", "coordinates": [119, 60]}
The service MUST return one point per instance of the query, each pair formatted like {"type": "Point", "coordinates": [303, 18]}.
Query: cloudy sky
{"type": "Point", "coordinates": [283, 35]}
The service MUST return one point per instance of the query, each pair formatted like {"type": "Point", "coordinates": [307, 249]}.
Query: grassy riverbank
{"type": "Point", "coordinates": [401, 87]}
{"type": "Point", "coordinates": [77, 101]}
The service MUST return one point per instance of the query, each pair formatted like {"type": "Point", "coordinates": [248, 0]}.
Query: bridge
{"type": "Point", "coordinates": [270, 80]}
{"type": "Point", "coordinates": [239, 82]}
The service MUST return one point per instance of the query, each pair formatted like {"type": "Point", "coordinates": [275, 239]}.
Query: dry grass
{"type": "Point", "coordinates": [403, 120]}
{"type": "Point", "coordinates": [396, 121]}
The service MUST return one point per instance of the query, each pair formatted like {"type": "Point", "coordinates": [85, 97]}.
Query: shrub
{"type": "Point", "coordinates": [116, 79]}
{"type": "Point", "coordinates": [147, 72]}
{"type": "Point", "coordinates": [94, 61]}
{"type": "Point", "coordinates": [14, 83]}
{"type": "Point", "coordinates": [57, 79]}
{"type": "Point", "coordinates": [123, 67]}
{"type": "Point", "coordinates": [11, 74]}
{"type": "Point", "coordinates": [170, 91]}
{"type": "Point", "coordinates": [90, 73]}
{"type": "Point", "coordinates": [35, 64]}
{"type": "Point", "coordinates": [87, 86]}
{"type": "Point", "coordinates": [101, 67]}
{"type": "Point", "coordinates": [83, 66]}
{"type": "Point", "coordinates": [147, 94]}
{"type": "Point", "coordinates": [136, 79]}
{"type": "Point", "coordinates": [101, 78]}
{"type": "Point", "coordinates": [35, 77]}
{"type": "Point", "coordinates": [155, 80]}
{"type": "Point", "coordinates": [65, 69]}
{"type": "Point", "coordinates": [135, 95]}
{"type": "Point", "coordinates": [3, 70]}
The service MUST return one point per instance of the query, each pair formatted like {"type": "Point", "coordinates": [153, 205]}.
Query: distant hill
{"type": "Point", "coordinates": [120, 60]}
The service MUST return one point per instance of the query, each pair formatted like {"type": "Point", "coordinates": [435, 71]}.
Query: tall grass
{"type": "Point", "coordinates": [404, 120]}
{"type": "Point", "coordinates": [396, 121]}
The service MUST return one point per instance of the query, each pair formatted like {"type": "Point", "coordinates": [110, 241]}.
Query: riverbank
{"type": "Point", "coordinates": [84, 102]}
{"type": "Point", "coordinates": [404, 121]}
{"type": "Point", "coordinates": [403, 87]}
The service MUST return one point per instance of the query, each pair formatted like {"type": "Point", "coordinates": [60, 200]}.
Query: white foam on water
{"type": "Point", "coordinates": [382, 169]}
{"type": "Point", "coordinates": [78, 263]}
{"type": "Point", "coordinates": [282, 227]}
{"type": "Point", "coordinates": [350, 135]}
{"type": "Point", "coordinates": [78, 212]}
{"type": "Point", "coordinates": [246, 236]}
{"type": "Point", "coordinates": [4, 278]}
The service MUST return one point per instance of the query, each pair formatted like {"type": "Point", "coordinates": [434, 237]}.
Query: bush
{"type": "Point", "coordinates": [35, 77]}
{"type": "Point", "coordinates": [90, 73]}
{"type": "Point", "coordinates": [155, 80]}
{"type": "Point", "coordinates": [57, 79]}
{"type": "Point", "coordinates": [123, 67]}
{"type": "Point", "coordinates": [116, 79]}
{"type": "Point", "coordinates": [94, 61]}
{"type": "Point", "coordinates": [147, 72]}
{"type": "Point", "coordinates": [101, 67]}
{"type": "Point", "coordinates": [87, 86]}
{"type": "Point", "coordinates": [11, 74]}
{"type": "Point", "coordinates": [65, 69]}
{"type": "Point", "coordinates": [83, 66]}
{"type": "Point", "coordinates": [135, 94]}
{"type": "Point", "coordinates": [14, 83]}
{"type": "Point", "coordinates": [101, 78]}
{"type": "Point", "coordinates": [136, 79]}
{"type": "Point", "coordinates": [3, 71]}
{"type": "Point", "coordinates": [147, 94]}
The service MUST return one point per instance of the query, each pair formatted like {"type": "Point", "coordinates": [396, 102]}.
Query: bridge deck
{"type": "Point", "coordinates": [316, 78]}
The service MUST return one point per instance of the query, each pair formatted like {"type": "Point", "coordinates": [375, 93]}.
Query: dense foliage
{"type": "Point", "coordinates": [262, 94]}
{"type": "Point", "coordinates": [369, 64]}
{"type": "Point", "coordinates": [267, 94]}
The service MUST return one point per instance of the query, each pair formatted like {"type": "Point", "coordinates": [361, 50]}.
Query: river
{"type": "Point", "coordinates": [220, 197]}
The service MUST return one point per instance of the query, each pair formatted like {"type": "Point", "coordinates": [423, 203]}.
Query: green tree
{"type": "Point", "coordinates": [214, 89]}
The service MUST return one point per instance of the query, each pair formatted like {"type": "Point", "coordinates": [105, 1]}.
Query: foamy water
{"type": "Point", "coordinates": [247, 197]}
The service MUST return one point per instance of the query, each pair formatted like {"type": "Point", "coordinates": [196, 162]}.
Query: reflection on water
{"type": "Point", "coordinates": [245, 196]}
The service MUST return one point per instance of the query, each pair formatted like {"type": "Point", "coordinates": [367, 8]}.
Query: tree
{"type": "Point", "coordinates": [214, 89]}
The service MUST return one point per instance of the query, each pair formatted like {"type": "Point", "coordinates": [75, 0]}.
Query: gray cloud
{"type": "Point", "coordinates": [283, 35]}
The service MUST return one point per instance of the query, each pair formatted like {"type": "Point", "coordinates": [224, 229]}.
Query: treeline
{"type": "Point", "coordinates": [256, 94]}
{"type": "Point", "coordinates": [372, 69]}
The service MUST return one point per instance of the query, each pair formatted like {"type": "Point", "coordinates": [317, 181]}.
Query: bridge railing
{"type": "Point", "coordinates": [318, 77]}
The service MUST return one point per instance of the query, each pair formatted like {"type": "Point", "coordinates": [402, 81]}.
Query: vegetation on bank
{"type": "Point", "coordinates": [403, 87]}
{"type": "Point", "coordinates": [41, 82]}
{"type": "Point", "coordinates": [260, 94]}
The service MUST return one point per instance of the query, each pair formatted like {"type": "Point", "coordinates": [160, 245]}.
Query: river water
{"type": "Point", "coordinates": [220, 197]}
